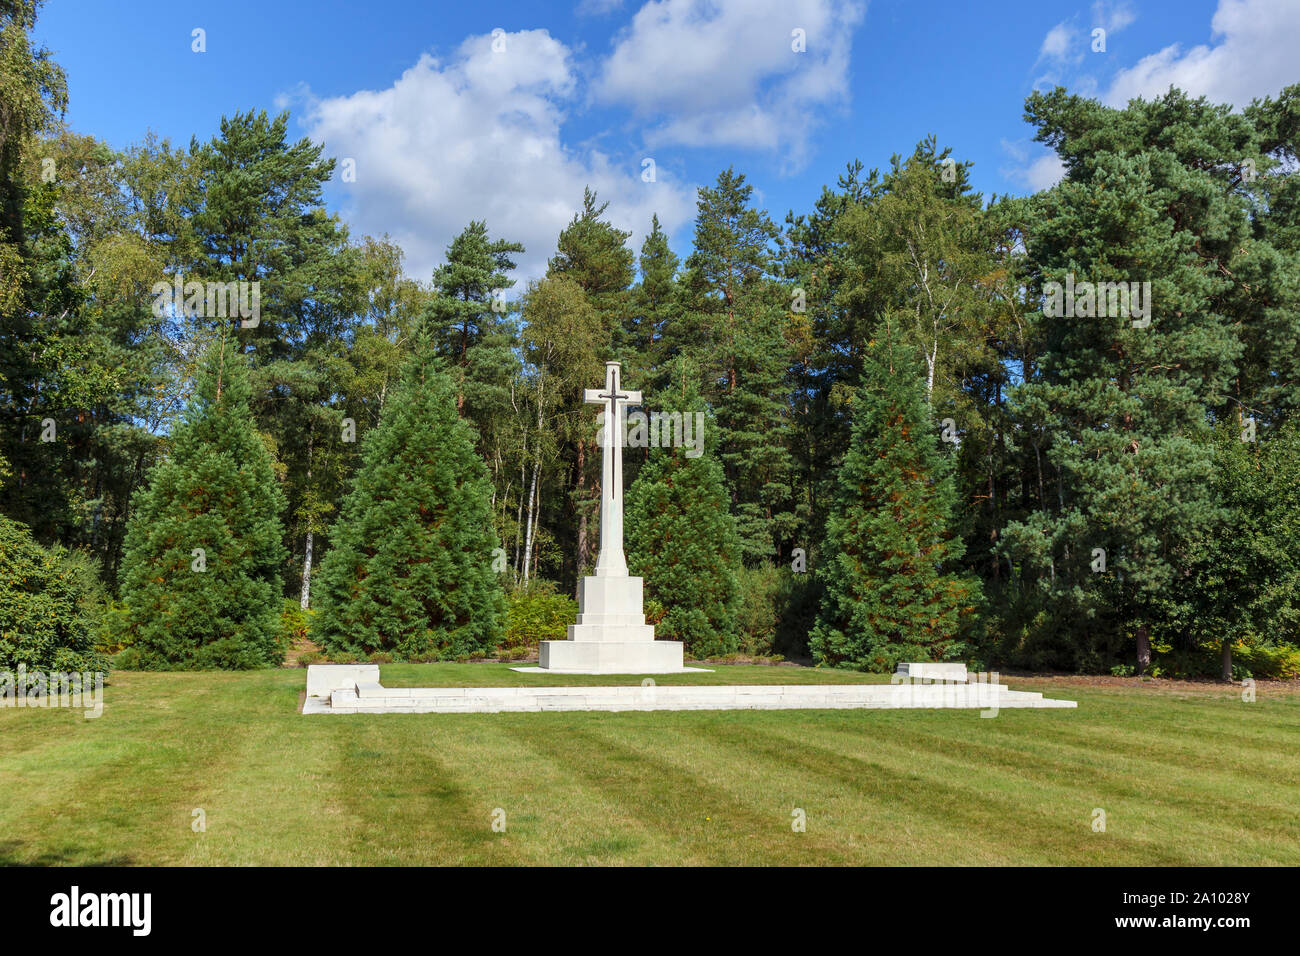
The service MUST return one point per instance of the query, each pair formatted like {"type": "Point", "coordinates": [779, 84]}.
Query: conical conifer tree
{"type": "Point", "coordinates": [411, 571]}
{"type": "Point", "coordinates": [682, 537]}
{"type": "Point", "coordinates": [889, 567]}
{"type": "Point", "coordinates": [200, 577]}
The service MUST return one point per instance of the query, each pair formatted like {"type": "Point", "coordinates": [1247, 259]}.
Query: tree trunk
{"type": "Point", "coordinates": [537, 466]}
{"type": "Point", "coordinates": [582, 515]}
{"type": "Point", "coordinates": [1144, 649]}
{"type": "Point", "coordinates": [304, 598]}
{"type": "Point", "coordinates": [930, 359]}
{"type": "Point", "coordinates": [537, 554]}
{"type": "Point", "coordinates": [519, 513]}
{"type": "Point", "coordinates": [528, 540]}
{"type": "Point", "coordinates": [304, 601]}
{"type": "Point", "coordinates": [1038, 458]}
{"type": "Point", "coordinates": [1227, 661]}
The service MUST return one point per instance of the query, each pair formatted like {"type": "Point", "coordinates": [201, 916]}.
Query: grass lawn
{"type": "Point", "coordinates": [1187, 774]}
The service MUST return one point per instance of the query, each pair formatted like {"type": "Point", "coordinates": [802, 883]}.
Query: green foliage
{"type": "Point", "coordinates": [1120, 405]}
{"type": "Point", "coordinates": [213, 505]}
{"type": "Point", "coordinates": [828, 336]}
{"type": "Point", "coordinates": [915, 251]}
{"type": "Point", "coordinates": [1183, 661]}
{"type": "Point", "coordinates": [111, 635]}
{"type": "Point", "coordinates": [799, 602]}
{"type": "Point", "coordinates": [470, 326]}
{"type": "Point", "coordinates": [411, 568]}
{"type": "Point", "coordinates": [537, 613]}
{"type": "Point", "coordinates": [1240, 580]}
{"type": "Point", "coordinates": [593, 254]}
{"type": "Point", "coordinates": [34, 89]}
{"type": "Point", "coordinates": [776, 611]}
{"type": "Point", "coordinates": [1280, 662]}
{"type": "Point", "coordinates": [655, 304]}
{"type": "Point", "coordinates": [892, 591]}
{"type": "Point", "coordinates": [757, 613]}
{"type": "Point", "coordinates": [256, 213]}
{"type": "Point", "coordinates": [50, 605]}
{"type": "Point", "coordinates": [295, 623]}
{"type": "Point", "coordinates": [86, 353]}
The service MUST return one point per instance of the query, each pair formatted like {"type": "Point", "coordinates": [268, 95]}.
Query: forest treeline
{"type": "Point", "coordinates": [1050, 431]}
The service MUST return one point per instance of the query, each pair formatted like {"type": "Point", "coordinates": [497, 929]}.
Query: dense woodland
{"type": "Point", "coordinates": [907, 454]}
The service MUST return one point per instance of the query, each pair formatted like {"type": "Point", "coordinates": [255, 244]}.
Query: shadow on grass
{"type": "Point", "coordinates": [9, 857]}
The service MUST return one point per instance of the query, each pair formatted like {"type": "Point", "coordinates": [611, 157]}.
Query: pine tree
{"type": "Point", "coordinates": [889, 562]}
{"type": "Point", "coordinates": [470, 324]}
{"type": "Point", "coordinates": [682, 539]}
{"type": "Point", "coordinates": [412, 567]}
{"type": "Point", "coordinates": [592, 253]}
{"type": "Point", "coordinates": [655, 306]}
{"type": "Point", "coordinates": [256, 214]}
{"type": "Point", "coordinates": [920, 248]}
{"type": "Point", "coordinates": [1126, 379]}
{"type": "Point", "coordinates": [200, 576]}
{"type": "Point", "coordinates": [593, 256]}
{"type": "Point", "coordinates": [735, 330]}
{"type": "Point", "coordinates": [829, 334]}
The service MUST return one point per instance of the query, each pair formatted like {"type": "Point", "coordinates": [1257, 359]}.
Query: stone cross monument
{"type": "Point", "coordinates": [611, 562]}
{"type": "Point", "coordinates": [611, 636]}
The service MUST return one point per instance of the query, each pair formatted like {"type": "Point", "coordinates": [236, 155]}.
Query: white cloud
{"type": "Point", "coordinates": [1255, 55]}
{"type": "Point", "coordinates": [1042, 173]}
{"type": "Point", "coordinates": [1112, 17]}
{"type": "Point", "coordinates": [597, 8]}
{"type": "Point", "coordinates": [477, 136]}
{"type": "Point", "coordinates": [725, 73]}
{"type": "Point", "coordinates": [1064, 43]}
{"type": "Point", "coordinates": [1058, 43]}
{"type": "Point", "coordinates": [1015, 149]}
{"type": "Point", "coordinates": [1065, 47]}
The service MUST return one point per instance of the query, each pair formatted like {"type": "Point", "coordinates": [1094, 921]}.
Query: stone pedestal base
{"type": "Point", "coordinates": [611, 635]}
{"type": "Point", "coordinates": [610, 657]}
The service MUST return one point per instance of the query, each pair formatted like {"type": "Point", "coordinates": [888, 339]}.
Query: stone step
{"type": "Point", "coordinates": [925, 671]}
{"type": "Point", "coordinates": [323, 679]}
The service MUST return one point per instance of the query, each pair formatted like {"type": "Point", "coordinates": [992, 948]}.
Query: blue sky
{"type": "Point", "coordinates": [444, 126]}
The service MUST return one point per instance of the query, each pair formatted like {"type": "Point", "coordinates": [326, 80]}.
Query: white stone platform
{"type": "Point", "coordinates": [367, 696]}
